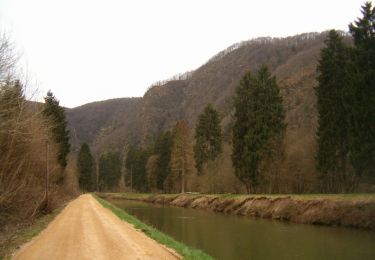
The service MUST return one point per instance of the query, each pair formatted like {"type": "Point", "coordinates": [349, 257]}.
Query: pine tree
{"type": "Point", "coordinates": [56, 115]}
{"type": "Point", "coordinates": [332, 132]}
{"type": "Point", "coordinates": [182, 154]}
{"type": "Point", "coordinates": [361, 94]}
{"type": "Point", "coordinates": [258, 125]}
{"type": "Point", "coordinates": [85, 166]}
{"type": "Point", "coordinates": [208, 137]}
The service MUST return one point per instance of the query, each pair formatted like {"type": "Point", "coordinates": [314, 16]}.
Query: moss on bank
{"type": "Point", "coordinates": [183, 250]}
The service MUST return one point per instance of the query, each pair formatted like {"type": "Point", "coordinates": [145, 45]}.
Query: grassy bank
{"type": "Point", "coordinates": [341, 196]}
{"type": "Point", "coordinates": [348, 210]}
{"type": "Point", "coordinates": [18, 235]}
{"type": "Point", "coordinates": [183, 250]}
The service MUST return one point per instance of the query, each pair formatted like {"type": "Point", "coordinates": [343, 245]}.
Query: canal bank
{"type": "Point", "coordinates": [226, 236]}
{"type": "Point", "coordinates": [356, 211]}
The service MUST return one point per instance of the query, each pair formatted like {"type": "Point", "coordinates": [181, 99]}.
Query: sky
{"type": "Point", "coordinates": [91, 50]}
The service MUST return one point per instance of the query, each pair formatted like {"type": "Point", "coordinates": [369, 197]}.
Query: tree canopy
{"type": "Point", "coordinates": [85, 166]}
{"type": "Point", "coordinates": [56, 115]}
{"type": "Point", "coordinates": [208, 137]}
{"type": "Point", "coordinates": [258, 122]}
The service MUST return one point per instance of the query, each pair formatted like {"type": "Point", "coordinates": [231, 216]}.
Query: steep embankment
{"type": "Point", "coordinates": [334, 210]}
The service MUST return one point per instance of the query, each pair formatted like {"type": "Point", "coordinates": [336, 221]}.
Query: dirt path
{"type": "Point", "coordinates": [86, 230]}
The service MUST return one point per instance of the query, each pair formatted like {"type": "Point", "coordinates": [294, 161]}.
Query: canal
{"type": "Point", "coordinates": [235, 237]}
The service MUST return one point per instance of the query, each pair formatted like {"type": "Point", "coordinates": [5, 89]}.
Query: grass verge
{"type": "Point", "coordinates": [24, 233]}
{"type": "Point", "coordinates": [185, 251]}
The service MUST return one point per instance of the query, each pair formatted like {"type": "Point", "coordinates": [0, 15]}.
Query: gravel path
{"type": "Point", "coordinates": [86, 230]}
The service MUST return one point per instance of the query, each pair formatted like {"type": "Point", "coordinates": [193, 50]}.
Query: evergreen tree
{"type": "Point", "coordinates": [162, 149]}
{"type": "Point", "coordinates": [361, 94]}
{"type": "Point", "coordinates": [56, 115]}
{"type": "Point", "coordinates": [208, 137]}
{"type": "Point", "coordinates": [85, 166]}
{"type": "Point", "coordinates": [151, 167]}
{"type": "Point", "coordinates": [332, 131]}
{"type": "Point", "coordinates": [136, 162]}
{"type": "Point", "coordinates": [258, 125]}
{"type": "Point", "coordinates": [182, 155]}
{"type": "Point", "coordinates": [109, 170]}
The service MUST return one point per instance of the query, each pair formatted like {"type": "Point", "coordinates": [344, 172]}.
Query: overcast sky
{"type": "Point", "coordinates": [89, 50]}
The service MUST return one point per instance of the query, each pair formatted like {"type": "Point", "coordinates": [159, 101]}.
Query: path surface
{"type": "Point", "coordinates": [86, 230]}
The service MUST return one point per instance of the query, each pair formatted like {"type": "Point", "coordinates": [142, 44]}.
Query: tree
{"type": "Point", "coordinates": [135, 164]}
{"type": "Point", "coordinates": [109, 170]}
{"type": "Point", "coordinates": [182, 154]}
{"type": "Point", "coordinates": [332, 131]}
{"type": "Point", "coordinates": [162, 149]}
{"type": "Point", "coordinates": [85, 166]}
{"type": "Point", "coordinates": [258, 125]}
{"type": "Point", "coordinates": [56, 115]}
{"type": "Point", "coordinates": [361, 94]}
{"type": "Point", "coordinates": [151, 168]}
{"type": "Point", "coordinates": [208, 137]}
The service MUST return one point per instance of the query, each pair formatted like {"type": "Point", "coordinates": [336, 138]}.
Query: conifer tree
{"type": "Point", "coordinates": [162, 149]}
{"type": "Point", "coordinates": [85, 166]}
{"type": "Point", "coordinates": [332, 131]}
{"type": "Point", "coordinates": [208, 137]}
{"type": "Point", "coordinates": [151, 167]}
{"type": "Point", "coordinates": [109, 170]}
{"type": "Point", "coordinates": [182, 154]}
{"type": "Point", "coordinates": [258, 124]}
{"type": "Point", "coordinates": [56, 115]}
{"type": "Point", "coordinates": [136, 162]}
{"type": "Point", "coordinates": [361, 94]}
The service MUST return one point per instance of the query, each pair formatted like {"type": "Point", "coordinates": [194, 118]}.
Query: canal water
{"type": "Point", "coordinates": [235, 237]}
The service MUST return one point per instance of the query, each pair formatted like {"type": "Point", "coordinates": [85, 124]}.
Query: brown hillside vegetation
{"type": "Point", "coordinates": [92, 121]}
{"type": "Point", "coordinates": [292, 60]}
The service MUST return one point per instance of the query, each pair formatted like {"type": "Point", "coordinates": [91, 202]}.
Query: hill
{"type": "Point", "coordinates": [89, 121]}
{"type": "Point", "coordinates": [292, 60]}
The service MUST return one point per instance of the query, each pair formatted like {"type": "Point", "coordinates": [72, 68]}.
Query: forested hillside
{"type": "Point", "coordinates": [293, 60]}
{"type": "Point", "coordinates": [116, 124]}
{"type": "Point", "coordinates": [92, 120]}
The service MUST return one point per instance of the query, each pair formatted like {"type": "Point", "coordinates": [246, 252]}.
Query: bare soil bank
{"type": "Point", "coordinates": [358, 212]}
